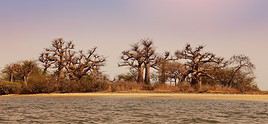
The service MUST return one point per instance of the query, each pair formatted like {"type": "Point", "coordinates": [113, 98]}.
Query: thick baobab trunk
{"type": "Point", "coordinates": [11, 77]}
{"type": "Point", "coordinates": [163, 77]}
{"type": "Point", "coordinates": [200, 84]}
{"type": "Point", "coordinates": [25, 79]}
{"type": "Point", "coordinates": [194, 84]}
{"type": "Point", "coordinates": [147, 74]}
{"type": "Point", "coordinates": [60, 73]}
{"type": "Point", "coordinates": [140, 75]}
{"type": "Point", "coordinates": [175, 81]}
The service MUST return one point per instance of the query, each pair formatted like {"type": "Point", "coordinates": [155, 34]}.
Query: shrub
{"type": "Point", "coordinates": [147, 87]}
{"type": "Point", "coordinates": [125, 86]}
{"type": "Point", "coordinates": [93, 86]}
{"type": "Point", "coordinates": [82, 86]}
{"type": "Point", "coordinates": [10, 88]}
{"type": "Point", "coordinates": [39, 84]}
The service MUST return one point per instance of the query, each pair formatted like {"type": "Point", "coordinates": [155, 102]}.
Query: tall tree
{"type": "Point", "coordinates": [161, 66]}
{"type": "Point", "coordinates": [80, 65]}
{"type": "Point", "coordinates": [175, 72]}
{"type": "Point", "coordinates": [12, 71]}
{"type": "Point", "coordinates": [134, 58]}
{"type": "Point", "coordinates": [27, 67]}
{"type": "Point", "coordinates": [57, 56]}
{"type": "Point", "coordinates": [20, 71]}
{"type": "Point", "coordinates": [149, 58]}
{"type": "Point", "coordinates": [195, 61]}
{"type": "Point", "coordinates": [240, 63]}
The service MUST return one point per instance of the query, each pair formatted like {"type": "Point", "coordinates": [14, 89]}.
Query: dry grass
{"type": "Point", "coordinates": [113, 87]}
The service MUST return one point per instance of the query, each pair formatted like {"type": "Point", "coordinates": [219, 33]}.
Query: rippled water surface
{"type": "Point", "coordinates": [128, 110]}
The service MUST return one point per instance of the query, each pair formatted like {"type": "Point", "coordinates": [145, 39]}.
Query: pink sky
{"type": "Point", "coordinates": [226, 27]}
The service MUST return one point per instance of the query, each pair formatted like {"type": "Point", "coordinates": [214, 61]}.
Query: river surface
{"type": "Point", "coordinates": [128, 110]}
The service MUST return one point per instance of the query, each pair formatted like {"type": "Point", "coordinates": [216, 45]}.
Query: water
{"type": "Point", "coordinates": [129, 110]}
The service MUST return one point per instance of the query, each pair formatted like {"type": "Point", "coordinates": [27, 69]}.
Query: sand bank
{"type": "Point", "coordinates": [167, 95]}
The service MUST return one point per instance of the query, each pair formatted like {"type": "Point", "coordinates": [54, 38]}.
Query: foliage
{"type": "Point", "coordinates": [10, 88]}
{"type": "Point", "coordinates": [62, 58]}
{"type": "Point", "coordinates": [191, 69]}
{"type": "Point", "coordinates": [140, 57]}
{"type": "Point", "coordinates": [20, 71]}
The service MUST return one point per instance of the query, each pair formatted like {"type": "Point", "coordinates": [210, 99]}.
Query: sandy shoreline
{"type": "Point", "coordinates": [246, 97]}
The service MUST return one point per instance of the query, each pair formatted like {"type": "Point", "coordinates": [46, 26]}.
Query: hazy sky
{"type": "Point", "coordinates": [226, 27]}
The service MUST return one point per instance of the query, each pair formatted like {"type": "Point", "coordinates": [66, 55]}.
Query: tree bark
{"type": "Point", "coordinates": [163, 77]}
{"type": "Point", "coordinates": [11, 77]}
{"type": "Point", "coordinates": [140, 75]}
{"type": "Point", "coordinates": [147, 74]}
{"type": "Point", "coordinates": [25, 78]}
{"type": "Point", "coordinates": [200, 84]}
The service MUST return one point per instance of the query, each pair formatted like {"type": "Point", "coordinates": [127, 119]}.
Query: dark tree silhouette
{"type": "Point", "coordinates": [12, 71]}
{"type": "Point", "coordinates": [20, 70]}
{"type": "Point", "coordinates": [140, 57]}
{"type": "Point", "coordinates": [175, 72]}
{"type": "Point", "coordinates": [240, 63]}
{"type": "Point", "coordinates": [195, 61]}
{"type": "Point", "coordinates": [161, 66]}
{"type": "Point", "coordinates": [80, 65]}
{"type": "Point", "coordinates": [57, 56]}
{"type": "Point", "coordinates": [134, 58]}
{"type": "Point", "coordinates": [27, 68]}
{"type": "Point", "coordinates": [149, 58]}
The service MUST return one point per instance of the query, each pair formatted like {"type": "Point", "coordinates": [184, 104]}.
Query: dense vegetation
{"type": "Point", "coordinates": [62, 69]}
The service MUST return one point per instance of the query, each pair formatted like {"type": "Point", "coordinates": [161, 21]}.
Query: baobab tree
{"type": "Point", "coordinates": [149, 58]}
{"type": "Point", "coordinates": [141, 57]}
{"type": "Point", "coordinates": [195, 61]}
{"type": "Point", "coordinates": [161, 66]}
{"type": "Point", "coordinates": [83, 63]}
{"type": "Point", "coordinates": [134, 58]}
{"type": "Point", "coordinates": [57, 56]}
{"type": "Point", "coordinates": [12, 71]}
{"type": "Point", "coordinates": [130, 76]}
{"type": "Point", "coordinates": [27, 67]}
{"type": "Point", "coordinates": [175, 71]}
{"type": "Point", "coordinates": [239, 63]}
{"type": "Point", "coordinates": [20, 70]}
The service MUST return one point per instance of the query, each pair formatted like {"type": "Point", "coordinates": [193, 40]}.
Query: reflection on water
{"type": "Point", "coordinates": [129, 110]}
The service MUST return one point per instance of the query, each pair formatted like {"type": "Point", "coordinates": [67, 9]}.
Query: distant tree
{"type": "Point", "coordinates": [80, 65]}
{"type": "Point", "coordinates": [196, 61]}
{"type": "Point", "coordinates": [175, 72]}
{"type": "Point", "coordinates": [20, 71]}
{"type": "Point", "coordinates": [140, 57]}
{"type": "Point", "coordinates": [130, 76]}
{"type": "Point", "coordinates": [12, 71]}
{"type": "Point", "coordinates": [243, 80]}
{"type": "Point", "coordinates": [57, 56]}
{"type": "Point", "coordinates": [134, 59]}
{"type": "Point", "coordinates": [240, 63]}
{"type": "Point", "coordinates": [161, 67]}
{"type": "Point", "coordinates": [149, 58]}
{"type": "Point", "coordinates": [27, 67]}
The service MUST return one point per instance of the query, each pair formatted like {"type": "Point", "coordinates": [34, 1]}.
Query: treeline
{"type": "Point", "coordinates": [63, 69]}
